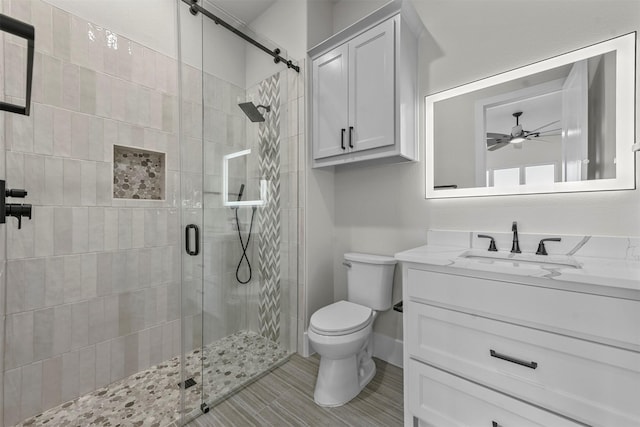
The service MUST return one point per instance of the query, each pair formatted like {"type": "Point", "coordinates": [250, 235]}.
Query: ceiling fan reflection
{"type": "Point", "coordinates": [518, 135]}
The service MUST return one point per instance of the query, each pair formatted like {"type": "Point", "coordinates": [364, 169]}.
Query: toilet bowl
{"type": "Point", "coordinates": [344, 347]}
{"type": "Point", "coordinates": [341, 333]}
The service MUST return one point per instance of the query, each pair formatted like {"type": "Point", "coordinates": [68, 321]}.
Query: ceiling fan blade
{"type": "Point", "coordinates": [542, 127]}
{"type": "Point", "coordinates": [541, 140]}
{"type": "Point", "coordinates": [550, 130]}
{"type": "Point", "coordinates": [530, 135]}
{"type": "Point", "coordinates": [493, 135]}
{"type": "Point", "coordinates": [497, 146]}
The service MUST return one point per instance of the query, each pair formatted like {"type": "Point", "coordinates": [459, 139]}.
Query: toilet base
{"type": "Point", "coordinates": [341, 380]}
{"type": "Point", "coordinates": [367, 372]}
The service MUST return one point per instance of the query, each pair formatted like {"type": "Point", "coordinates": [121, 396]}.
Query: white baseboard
{"type": "Point", "coordinates": [388, 349]}
{"type": "Point", "coordinates": [306, 349]}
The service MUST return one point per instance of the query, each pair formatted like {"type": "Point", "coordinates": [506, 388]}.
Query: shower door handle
{"type": "Point", "coordinates": [187, 239]}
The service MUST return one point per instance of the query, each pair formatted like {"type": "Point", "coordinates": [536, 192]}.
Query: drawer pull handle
{"type": "Point", "coordinates": [532, 365]}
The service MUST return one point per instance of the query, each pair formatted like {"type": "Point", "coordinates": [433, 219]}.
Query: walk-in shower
{"type": "Point", "coordinates": [122, 305]}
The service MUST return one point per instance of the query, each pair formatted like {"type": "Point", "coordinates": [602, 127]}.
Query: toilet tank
{"type": "Point", "coordinates": [370, 280]}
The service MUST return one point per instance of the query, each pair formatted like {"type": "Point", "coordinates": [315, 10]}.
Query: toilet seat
{"type": "Point", "coordinates": [341, 318]}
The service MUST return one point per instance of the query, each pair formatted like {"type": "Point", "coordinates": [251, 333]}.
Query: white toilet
{"type": "Point", "coordinates": [341, 332]}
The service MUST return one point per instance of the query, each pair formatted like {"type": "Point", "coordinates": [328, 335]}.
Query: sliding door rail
{"type": "Point", "coordinates": [194, 7]}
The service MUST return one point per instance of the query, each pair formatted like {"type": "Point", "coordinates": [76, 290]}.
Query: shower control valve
{"type": "Point", "coordinates": [16, 192]}
{"type": "Point", "coordinates": [16, 210]}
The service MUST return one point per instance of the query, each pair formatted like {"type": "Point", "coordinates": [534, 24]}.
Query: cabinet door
{"type": "Point", "coordinates": [330, 131]}
{"type": "Point", "coordinates": [371, 88]}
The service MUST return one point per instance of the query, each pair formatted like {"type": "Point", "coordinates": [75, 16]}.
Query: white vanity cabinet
{"type": "Point", "coordinates": [363, 94]}
{"type": "Point", "coordinates": [485, 349]}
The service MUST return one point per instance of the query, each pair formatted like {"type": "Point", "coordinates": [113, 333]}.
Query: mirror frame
{"type": "Point", "coordinates": [225, 184]}
{"type": "Point", "coordinates": [625, 48]}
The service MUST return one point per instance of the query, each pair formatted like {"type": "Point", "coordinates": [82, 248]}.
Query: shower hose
{"type": "Point", "coordinates": [244, 246]}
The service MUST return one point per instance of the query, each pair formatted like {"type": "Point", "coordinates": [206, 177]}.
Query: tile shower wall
{"type": "Point", "coordinates": [269, 132]}
{"type": "Point", "coordinates": [224, 132]}
{"type": "Point", "coordinates": [93, 283]}
{"type": "Point", "coordinates": [273, 302]}
{"type": "Point", "coordinates": [228, 305]}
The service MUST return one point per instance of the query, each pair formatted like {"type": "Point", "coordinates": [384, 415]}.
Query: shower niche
{"type": "Point", "coordinates": [138, 174]}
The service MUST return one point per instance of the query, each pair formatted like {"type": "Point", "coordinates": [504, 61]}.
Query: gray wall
{"type": "Point", "coordinates": [382, 209]}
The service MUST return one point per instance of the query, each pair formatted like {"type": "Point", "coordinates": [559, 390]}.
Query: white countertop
{"type": "Point", "coordinates": [616, 273]}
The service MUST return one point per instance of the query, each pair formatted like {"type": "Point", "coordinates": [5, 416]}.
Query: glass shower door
{"type": "Point", "coordinates": [191, 212]}
{"type": "Point", "coordinates": [239, 189]}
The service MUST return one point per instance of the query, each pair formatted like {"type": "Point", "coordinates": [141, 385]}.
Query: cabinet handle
{"type": "Point", "coordinates": [532, 365]}
{"type": "Point", "coordinates": [350, 136]}
{"type": "Point", "coordinates": [342, 138]}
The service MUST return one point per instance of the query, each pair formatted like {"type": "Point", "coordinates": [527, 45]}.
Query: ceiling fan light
{"type": "Point", "coordinates": [517, 140]}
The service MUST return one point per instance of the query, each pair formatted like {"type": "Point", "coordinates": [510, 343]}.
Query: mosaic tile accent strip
{"type": "Point", "coordinates": [269, 219]}
{"type": "Point", "coordinates": [138, 174]}
{"type": "Point", "coordinates": [151, 398]}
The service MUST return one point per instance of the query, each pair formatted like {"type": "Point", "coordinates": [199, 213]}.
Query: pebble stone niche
{"type": "Point", "coordinates": [138, 174]}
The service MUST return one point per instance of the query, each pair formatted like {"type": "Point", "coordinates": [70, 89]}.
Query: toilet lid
{"type": "Point", "coordinates": [340, 318]}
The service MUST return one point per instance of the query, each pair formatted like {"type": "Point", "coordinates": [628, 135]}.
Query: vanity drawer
{"type": "Point", "coordinates": [599, 318]}
{"type": "Point", "coordinates": [440, 399]}
{"type": "Point", "coordinates": [593, 383]}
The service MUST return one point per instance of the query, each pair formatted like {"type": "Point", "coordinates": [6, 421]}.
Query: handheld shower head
{"type": "Point", "coordinates": [251, 110]}
{"type": "Point", "coordinates": [240, 192]}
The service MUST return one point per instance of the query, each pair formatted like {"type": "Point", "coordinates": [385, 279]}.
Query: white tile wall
{"type": "Point", "coordinates": [92, 284]}
{"type": "Point", "coordinates": [51, 382]}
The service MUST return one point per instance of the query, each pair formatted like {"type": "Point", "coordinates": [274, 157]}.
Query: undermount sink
{"type": "Point", "coordinates": [540, 260]}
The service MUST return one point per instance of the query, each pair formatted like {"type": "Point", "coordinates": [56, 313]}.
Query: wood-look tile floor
{"type": "Point", "coordinates": [284, 397]}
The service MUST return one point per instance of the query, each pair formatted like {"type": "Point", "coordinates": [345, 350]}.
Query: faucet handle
{"type": "Point", "coordinates": [541, 249]}
{"type": "Point", "coordinates": [492, 244]}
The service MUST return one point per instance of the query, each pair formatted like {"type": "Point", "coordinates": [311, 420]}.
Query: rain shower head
{"type": "Point", "coordinates": [252, 112]}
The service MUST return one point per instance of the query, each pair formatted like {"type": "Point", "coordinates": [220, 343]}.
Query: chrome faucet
{"type": "Point", "coordinates": [515, 247]}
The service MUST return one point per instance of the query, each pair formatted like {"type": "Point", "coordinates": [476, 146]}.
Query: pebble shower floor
{"type": "Point", "coordinates": [151, 398]}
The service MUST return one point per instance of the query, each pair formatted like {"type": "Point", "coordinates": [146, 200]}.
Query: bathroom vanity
{"type": "Point", "coordinates": [503, 339]}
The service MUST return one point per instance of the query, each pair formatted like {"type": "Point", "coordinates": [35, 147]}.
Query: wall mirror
{"type": "Point", "coordinates": [560, 125]}
{"type": "Point", "coordinates": [237, 188]}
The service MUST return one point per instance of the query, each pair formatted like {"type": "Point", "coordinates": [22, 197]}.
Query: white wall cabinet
{"type": "Point", "coordinates": [490, 351]}
{"type": "Point", "coordinates": [364, 88]}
